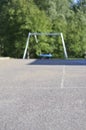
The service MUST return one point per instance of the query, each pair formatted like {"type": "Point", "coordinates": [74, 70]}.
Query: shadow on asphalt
{"type": "Point", "coordinates": [57, 62]}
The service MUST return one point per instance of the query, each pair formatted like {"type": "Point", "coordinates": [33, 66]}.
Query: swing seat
{"type": "Point", "coordinates": [46, 55]}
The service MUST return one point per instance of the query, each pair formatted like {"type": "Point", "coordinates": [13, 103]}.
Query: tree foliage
{"type": "Point", "coordinates": [17, 18]}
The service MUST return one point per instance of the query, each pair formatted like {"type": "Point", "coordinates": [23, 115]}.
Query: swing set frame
{"type": "Point", "coordinates": [46, 34]}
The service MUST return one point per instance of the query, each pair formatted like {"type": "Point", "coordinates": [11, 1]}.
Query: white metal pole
{"type": "Point", "coordinates": [36, 38]}
{"type": "Point", "coordinates": [27, 43]}
{"type": "Point", "coordinates": [64, 47]}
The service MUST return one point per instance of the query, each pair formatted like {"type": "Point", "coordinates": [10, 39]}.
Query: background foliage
{"type": "Point", "coordinates": [18, 17]}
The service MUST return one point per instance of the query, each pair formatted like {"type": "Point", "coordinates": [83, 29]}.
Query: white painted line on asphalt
{"type": "Point", "coordinates": [63, 77]}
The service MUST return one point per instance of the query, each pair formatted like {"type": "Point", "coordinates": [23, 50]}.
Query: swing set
{"type": "Point", "coordinates": [45, 34]}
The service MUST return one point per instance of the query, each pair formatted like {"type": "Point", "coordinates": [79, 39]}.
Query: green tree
{"type": "Point", "coordinates": [76, 35]}
{"type": "Point", "coordinates": [20, 17]}
{"type": "Point", "coordinates": [17, 18]}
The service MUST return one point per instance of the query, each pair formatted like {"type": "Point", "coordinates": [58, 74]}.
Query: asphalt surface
{"type": "Point", "coordinates": [42, 94]}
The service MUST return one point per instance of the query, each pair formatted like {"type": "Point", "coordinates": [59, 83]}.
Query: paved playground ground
{"type": "Point", "coordinates": [42, 94]}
